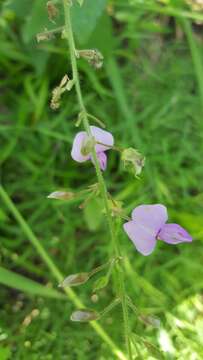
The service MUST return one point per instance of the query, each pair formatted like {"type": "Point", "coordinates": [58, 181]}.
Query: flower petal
{"type": "Point", "coordinates": [143, 238]}
{"type": "Point", "coordinates": [78, 142]}
{"type": "Point", "coordinates": [174, 234]}
{"type": "Point", "coordinates": [151, 216]}
{"type": "Point", "coordinates": [102, 160]}
{"type": "Point", "coordinates": [103, 137]}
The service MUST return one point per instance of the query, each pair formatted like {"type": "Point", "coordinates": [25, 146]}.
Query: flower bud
{"type": "Point", "coordinates": [61, 195]}
{"type": "Point", "coordinates": [95, 298]}
{"type": "Point", "coordinates": [75, 280]}
{"type": "Point", "coordinates": [100, 283]}
{"type": "Point", "coordinates": [84, 315]}
{"type": "Point", "coordinates": [133, 161]}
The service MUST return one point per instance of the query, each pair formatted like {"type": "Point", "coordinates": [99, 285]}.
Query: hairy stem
{"type": "Point", "coordinates": [102, 185]}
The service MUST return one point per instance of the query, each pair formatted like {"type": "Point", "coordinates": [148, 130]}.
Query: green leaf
{"type": "Point", "coordinates": [5, 353]}
{"type": "Point", "coordinates": [3, 216]}
{"type": "Point", "coordinates": [19, 282]}
{"type": "Point", "coordinates": [93, 214]}
{"type": "Point", "coordinates": [37, 21]}
{"type": "Point", "coordinates": [21, 8]}
{"type": "Point", "coordinates": [85, 18]}
{"type": "Point", "coordinates": [102, 37]}
{"type": "Point", "coordinates": [100, 283]}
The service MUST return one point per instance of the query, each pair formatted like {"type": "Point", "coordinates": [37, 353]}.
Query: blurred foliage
{"type": "Point", "coordinates": [149, 93]}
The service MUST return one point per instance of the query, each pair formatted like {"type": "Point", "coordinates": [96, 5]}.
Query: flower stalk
{"type": "Point", "coordinates": [102, 185]}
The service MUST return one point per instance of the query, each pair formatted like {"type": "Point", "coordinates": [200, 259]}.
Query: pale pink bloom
{"type": "Point", "coordinates": [105, 142]}
{"type": "Point", "coordinates": [148, 225]}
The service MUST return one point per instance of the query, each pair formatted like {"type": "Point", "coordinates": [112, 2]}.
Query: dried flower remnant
{"type": "Point", "coordinates": [133, 161]}
{"type": "Point", "coordinates": [45, 36]}
{"type": "Point", "coordinates": [83, 145]}
{"type": "Point", "coordinates": [66, 84]}
{"type": "Point", "coordinates": [52, 10]}
{"type": "Point", "coordinates": [148, 225]}
{"type": "Point", "coordinates": [93, 56]}
{"type": "Point", "coordinates": [49, 34]}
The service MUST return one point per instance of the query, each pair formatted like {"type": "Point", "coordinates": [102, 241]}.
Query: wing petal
{"type": "Point", "coordinates": [101, 156]}
{"type": "Point", "coordinates": [174, 234]}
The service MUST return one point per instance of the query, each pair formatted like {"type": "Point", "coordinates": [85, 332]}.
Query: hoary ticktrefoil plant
{"type": "Point", "coordinates": [91, 144]}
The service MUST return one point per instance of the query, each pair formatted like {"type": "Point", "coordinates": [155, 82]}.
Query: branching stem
{"type": "Point", "coordinates": [102, 185]}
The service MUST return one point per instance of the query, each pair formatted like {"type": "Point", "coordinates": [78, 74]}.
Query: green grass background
{"type": "Point", "coordinates": [149, 93]}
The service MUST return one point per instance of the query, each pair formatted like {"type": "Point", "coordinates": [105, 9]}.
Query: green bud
{"type": "Point", "coordinates": [133, 161]}
{"type": "Point", "coordinates": [84, 315]}
{"type": "Point", "coordinates": [75, 280]}
{"type": "Point", "coordinates": [100, 283]}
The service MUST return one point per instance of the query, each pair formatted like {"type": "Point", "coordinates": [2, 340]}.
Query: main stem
{"type": "Point", "coordinates": [102, 185]}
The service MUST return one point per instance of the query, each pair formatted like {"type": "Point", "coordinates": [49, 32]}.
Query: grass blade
{"type": "Point", "coordinates": [22, 283]}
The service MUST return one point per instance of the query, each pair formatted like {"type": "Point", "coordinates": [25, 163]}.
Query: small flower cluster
{"type": "Point", "coordinates": [148, 222]}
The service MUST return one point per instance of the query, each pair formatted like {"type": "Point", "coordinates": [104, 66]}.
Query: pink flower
{"type": "Point", "coordinates": [82, 143]}
{"type": "Point", "coordinates": [148, 225]}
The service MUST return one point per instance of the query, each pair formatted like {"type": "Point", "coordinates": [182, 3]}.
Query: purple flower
{"type": "Point", "coordinates": [82, 145]}
{"type": "Point", "coordinates": [148, 225]}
